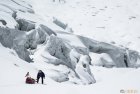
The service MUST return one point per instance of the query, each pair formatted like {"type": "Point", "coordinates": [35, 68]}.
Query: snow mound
{"type": "Point", "coordinates": [102, 59]}
{"type": "Point", "coordinates": [57, 75]}
{"type": "Point", "coordinates": [25, 25]}
{"type": "Point", "coordinates": [57, 48]}
{"type": "Point", "coordinates": [15, 39]}
{"type": "Point", "coordinates": [83, 70]}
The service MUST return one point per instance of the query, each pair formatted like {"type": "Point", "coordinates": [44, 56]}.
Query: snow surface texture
{"type": "Point", "coordinates": [108, 80]}
{"type": "Point", "coordinates": [50, 44]}
{"type": "Point", "coordinates": [115, 22]}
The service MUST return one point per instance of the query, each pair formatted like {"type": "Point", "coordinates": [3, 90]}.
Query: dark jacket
{"type": "Point", "coordinates": [41, 74]}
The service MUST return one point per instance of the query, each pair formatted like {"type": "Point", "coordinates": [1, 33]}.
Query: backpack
{"type": "Point", "coordinates": [30, 80]}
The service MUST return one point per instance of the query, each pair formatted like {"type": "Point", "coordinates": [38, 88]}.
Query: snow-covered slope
{"type": "Point", "coordinates": [104, 20]}
{"type": "Point", "coordinates": [13, 72]}
{"type": "Point", "coordinates": [33, 40]}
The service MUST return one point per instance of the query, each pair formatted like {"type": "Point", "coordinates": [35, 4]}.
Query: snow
{"type": "Point", "coordinates": [72, 39]}
{"type": "Point", "coordinates": [109, 80]}
{"type": "Point", "coordinates": [83, 70]}
{"type": "Point", "coordinates": [62, 55]}
{"type": "Point", "coordinates": [10, 22]}
{"type": "Point", "coordinates": [102, 59]}
{"type": "Point", "coordinates": [102, 20]}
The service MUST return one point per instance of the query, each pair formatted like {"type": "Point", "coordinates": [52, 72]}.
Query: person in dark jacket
{"type": "Point", "coordinates": [40, 74]}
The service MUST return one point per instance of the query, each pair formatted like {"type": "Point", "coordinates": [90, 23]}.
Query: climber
{"type": "Point", "coordinates": [40, 74]}
{"type": "Point", "coordinates": [29, 80]}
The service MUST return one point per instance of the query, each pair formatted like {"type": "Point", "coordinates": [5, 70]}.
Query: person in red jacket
{"type": "Point", "coordinates": [29, 80]}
